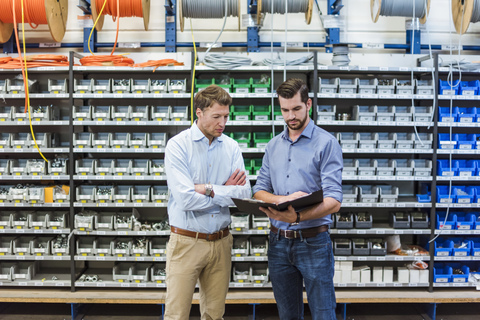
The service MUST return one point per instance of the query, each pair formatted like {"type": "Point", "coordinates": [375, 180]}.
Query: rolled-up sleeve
{"type": "Point", "coordinates": [180, 181]}
{"type": "Point", "coordinates": [224, 194]}
{"type": "Point", "coordinates": [331, 170]}
{"type": "Point", "coordinates": [264, 181]}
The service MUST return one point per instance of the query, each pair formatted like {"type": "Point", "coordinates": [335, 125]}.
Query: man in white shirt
{"type": "Point", "coordinates": [205, 169]}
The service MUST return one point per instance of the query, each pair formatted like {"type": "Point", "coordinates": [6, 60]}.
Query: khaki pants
{"type": "Point", "coordinates": [189, 260]}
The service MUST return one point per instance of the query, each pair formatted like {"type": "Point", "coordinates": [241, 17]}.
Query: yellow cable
{"type": "Point", "coordinates": [91, 32]}
{"type": "Point", "coordinates": [193, 76]}
{"type": "Point", "coordinates": [26, 85]}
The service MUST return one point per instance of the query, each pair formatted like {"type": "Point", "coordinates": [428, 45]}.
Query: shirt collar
{"type": "Point", "coordinates": [198, 135]}
{"type": "Point", "coordinates": [307, 132]}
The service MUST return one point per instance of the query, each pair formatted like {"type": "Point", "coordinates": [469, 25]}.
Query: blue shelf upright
{"type": "Point", "coordinates": [253, 38]}
{"type": "Point", "coordinates": [170, 26]}
{"type": "Point", "coordinates": [333, 34]}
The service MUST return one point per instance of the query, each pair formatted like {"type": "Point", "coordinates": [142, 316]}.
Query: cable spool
{"type": "Point", "coordinates": [294, 6]}
{"type": "Point", "coordinates": [400, 8]}
{"type": "Point", "coordinates": [340, 54]}
{"type": "Point", "coordinates": [465, 12]}
{"type": "Point", "coordinates": [207, 9]}
{"type": "Point", "coordinates": [36, 12]}
{"type": "Point", "coordinates": [128, 8]}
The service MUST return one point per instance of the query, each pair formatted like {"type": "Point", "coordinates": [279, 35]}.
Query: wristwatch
{"type": "Point", "coordinates": [208, 189]}
{"type": "Point", "coordinates": [296, 221]}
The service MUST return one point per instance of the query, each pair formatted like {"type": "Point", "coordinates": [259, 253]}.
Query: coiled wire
{"type": "Point", "coordinates": [279, 6]}
{"type": "Point", "coordinates": [475, 12]}
{"type": "Point", "coordinates": [209, 9]}
{"type": "Point", "coordinates": [282, 62]}
{"type": "Point", "coordinates": [403, 8]}
{"type": "Point", "coordinates": [219, 61]}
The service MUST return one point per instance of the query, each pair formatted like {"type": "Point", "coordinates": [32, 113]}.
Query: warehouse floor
{"type": "Point", "coordinates": [10, 311]}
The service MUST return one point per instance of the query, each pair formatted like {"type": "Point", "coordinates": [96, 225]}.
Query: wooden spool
{"type": "Point", "coordinates": [56, 12]}
{"type": "Point", "coordinates": [462, 14]}
{"type": "Point", "coordinates": [99, 26]}
{"type": "Point", "coordinates": [376, 6]}
{"type": "Point", "coordinates": [308, 13]}
{"type": "Point", "coordinates": [181, 17]}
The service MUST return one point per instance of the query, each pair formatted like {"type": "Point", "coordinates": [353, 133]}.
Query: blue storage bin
{"type": "Point", "coordinates": [459, 278]}
{"type": "Point", "coordinates": [467, 115]}
{"type": "Point", "coordinates": [477, 167]}
{"type": "Point", "coordinates": [475, 245]}
{"type": "Point", "coordinates": [463, 195]}
{"type": "Point", "coordinates": [461, 247]}
{"type": "Point", "coordinates": [476, 225]}
{"type": "Point", "coordinates": [465, 168]}
{"type": "Point", "coordinates": [442, 195]}
{"type": "Point", "coordinates": [444, 141]}
{"type": "Point", "coordinates": [465, 221]}
{"type": "Point", "coordinates": [468, 88]}
{"type": "Point", "coordinates": [451, 222]}
{"type": "Point", "coordinates": [424, 198]}
{"type": "Point", "coordinates": [444, 114]}
{"type": "Point", "coordinates": [477, 114]}
{"type": "Point", "coordinates": [476, 193]}
{"type": "Point", "coordinates": [449, 88]}
{"type": "Point", "coordinates": [466, 141]}
{"type": "Point", "coordinates": [443, 247]}
{"type": "Point", "coordinates": [442, 273]}
{"type": "Point", "coordinates": [446, 169]}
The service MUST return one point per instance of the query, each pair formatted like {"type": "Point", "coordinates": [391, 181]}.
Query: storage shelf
{"type": "Point", "coordinates": [381, 258]}
{"type": "Point", "coordinates": [36, 123]}
{"type": "Point", "coordinates": [459, 124]}
{"type": "Point", "coordinates": [379, 231]}
{"type": "Point", "coordinates": [387, 205]}
{"type": "Point", "coordinates": [458, 178]}
{"type": "Point", "coordinates": [36, 96]}
{"type": "Point", "coordinates": [131, 95]}
{"type": "Point", "coordinates": [36, 283]}
{"type": "Point", "coordinates": [386, 178]}
{"type": "Point", "coordinates": [458, 232]}
{"type": "Point", "coordinates": [35, 231]}
{"type": "Point", "coordinates": [461, 258]}
{"type": "Point", "coordinates": [255, 123]}
{"type": "Point", "coordinates": [458, 205]}
{"type": "Point", "coordinates": [116, 284]}
{"type": "Point", "coordinates": [36, 258]}
{"type": "Point", "coordinates": [454, 285]}
{"type": "Point", "coordinates": [458, 151]}
{"type": "Point", "coordinates": [34, 150]}
{"type": "Point", "coordinates": [38, 177]}
{"type": "Point", "coordinates": [130, 69]}
{"type": "Point", "coordinates": [308, 67]}
{"type": "Point", "coordinates": [120, 205]}
{"type": "Point", "coordinates": [458, 97]}
{"type": "Point", "coordinates": [384, 151]}
{"type": "Point", "coordinates": [119, 178]}
{"type": "Point", "coordinates": [374, 96]}
{"type": "Point", "coordinates": [376, 69]}
{"type": "Point", "coordinates": [121, 258]}
{"type": "Point", "coordinates": [373, 284]}
{"type": "Point", "coordinates": [122, 233]}
{"type": "Point", "coordinates": [374, 123]}
{"type": "Point", "coordinates": [119, 150]}
{"type": "Point", "coordinates": [34, 205]}
{"type": "Point", "coordinates": [131, 123]}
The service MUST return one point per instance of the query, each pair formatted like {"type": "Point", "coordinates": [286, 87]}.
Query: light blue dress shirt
{"type": "Point", "coordinates": [190, 160]}
{"type": "Point", "coordinates": [313, 162]}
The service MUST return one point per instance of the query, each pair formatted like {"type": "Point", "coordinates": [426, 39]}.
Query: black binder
{"type": "Point", "coordinates": [251, 205]}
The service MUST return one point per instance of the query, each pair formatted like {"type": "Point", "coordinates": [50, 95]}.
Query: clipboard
{"type": "Point", "coordinates": [251, 205]}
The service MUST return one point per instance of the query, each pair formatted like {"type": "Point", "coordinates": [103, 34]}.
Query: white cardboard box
{"type": "Point", "coordinates": [355, 276]}
{"type": "Point", "coordinates": [403, 275]}
{"type": "Point", "coordinates": [414, 276]}
{"type": "Point", "coordinates": [346, 276]}
{"type": "Point", "coordinates": [423, 276]}
{"type": "Point", "coordinates": [388, 274]}
{"type": "Point", "coordinates": [337, 277]}
{"type": "Point", "coordinates": [377, 274]}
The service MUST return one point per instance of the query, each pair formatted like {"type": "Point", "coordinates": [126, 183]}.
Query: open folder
{"type": "Point", "coordinates": [251, 205]}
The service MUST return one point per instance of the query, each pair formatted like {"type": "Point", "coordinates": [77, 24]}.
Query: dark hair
{"type": "Point", "coordinates": [211, 94]}
{"type": "Point", "coordinates": [291, 87]}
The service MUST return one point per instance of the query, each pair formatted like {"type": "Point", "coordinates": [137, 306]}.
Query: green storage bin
{"type": "Point", "coordinates": [241, 113]}
{"type": "Point", "coordinates": [261, 85]}
{"type": "Point", "coordinates": [277, 114]}
{"type": "Point", "coordinates": [224, 83]}
{"type": "Point", "coordinates": [260, 139]}
{"type": "Point", "coordinates": [242, 85]}
{"type": "Point", "coordinates": [262, 113]}
{"type": "Point", "coordinates": [243, 138]}
{"type": "Point", "coordinates": [248, 166]}
{"type": "Point", "coordinates": [203, 83]}
{"type": "Point", "coordinates": [256, 164]}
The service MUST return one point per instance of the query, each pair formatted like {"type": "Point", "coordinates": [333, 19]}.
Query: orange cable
{"type": "Point", "coordinates": [123, 8]}
{"type": "Point", "coordinates": [158, 63]}
{"type": "Point", "coordinates": [34, 12]}
{"type": "Point", "coordinates": [106, 60]}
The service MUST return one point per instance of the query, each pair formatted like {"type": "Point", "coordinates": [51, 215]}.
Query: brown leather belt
{"type": "Point", "coordinates": [294, 234]}
{"type": "Point", "coordinates": [205, 236]}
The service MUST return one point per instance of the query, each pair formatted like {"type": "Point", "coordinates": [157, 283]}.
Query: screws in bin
{"type": "Point", "coordinates": [122, 82]}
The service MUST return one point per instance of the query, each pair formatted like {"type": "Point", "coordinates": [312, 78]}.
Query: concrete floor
{"type": "Point", "coordinates": [233, 312]}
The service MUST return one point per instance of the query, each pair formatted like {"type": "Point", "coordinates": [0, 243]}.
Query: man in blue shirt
{"type": "Point", "coordinates": [302, 159]}
{"type": "Point", "coordinates": [205, 169]}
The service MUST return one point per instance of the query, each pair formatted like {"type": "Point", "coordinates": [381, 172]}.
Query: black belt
{"type": "Point", "coordinates": [294, 234]}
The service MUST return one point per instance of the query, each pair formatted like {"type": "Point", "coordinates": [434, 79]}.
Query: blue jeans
{"type": "Point", "coordinates": [294, 261]}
